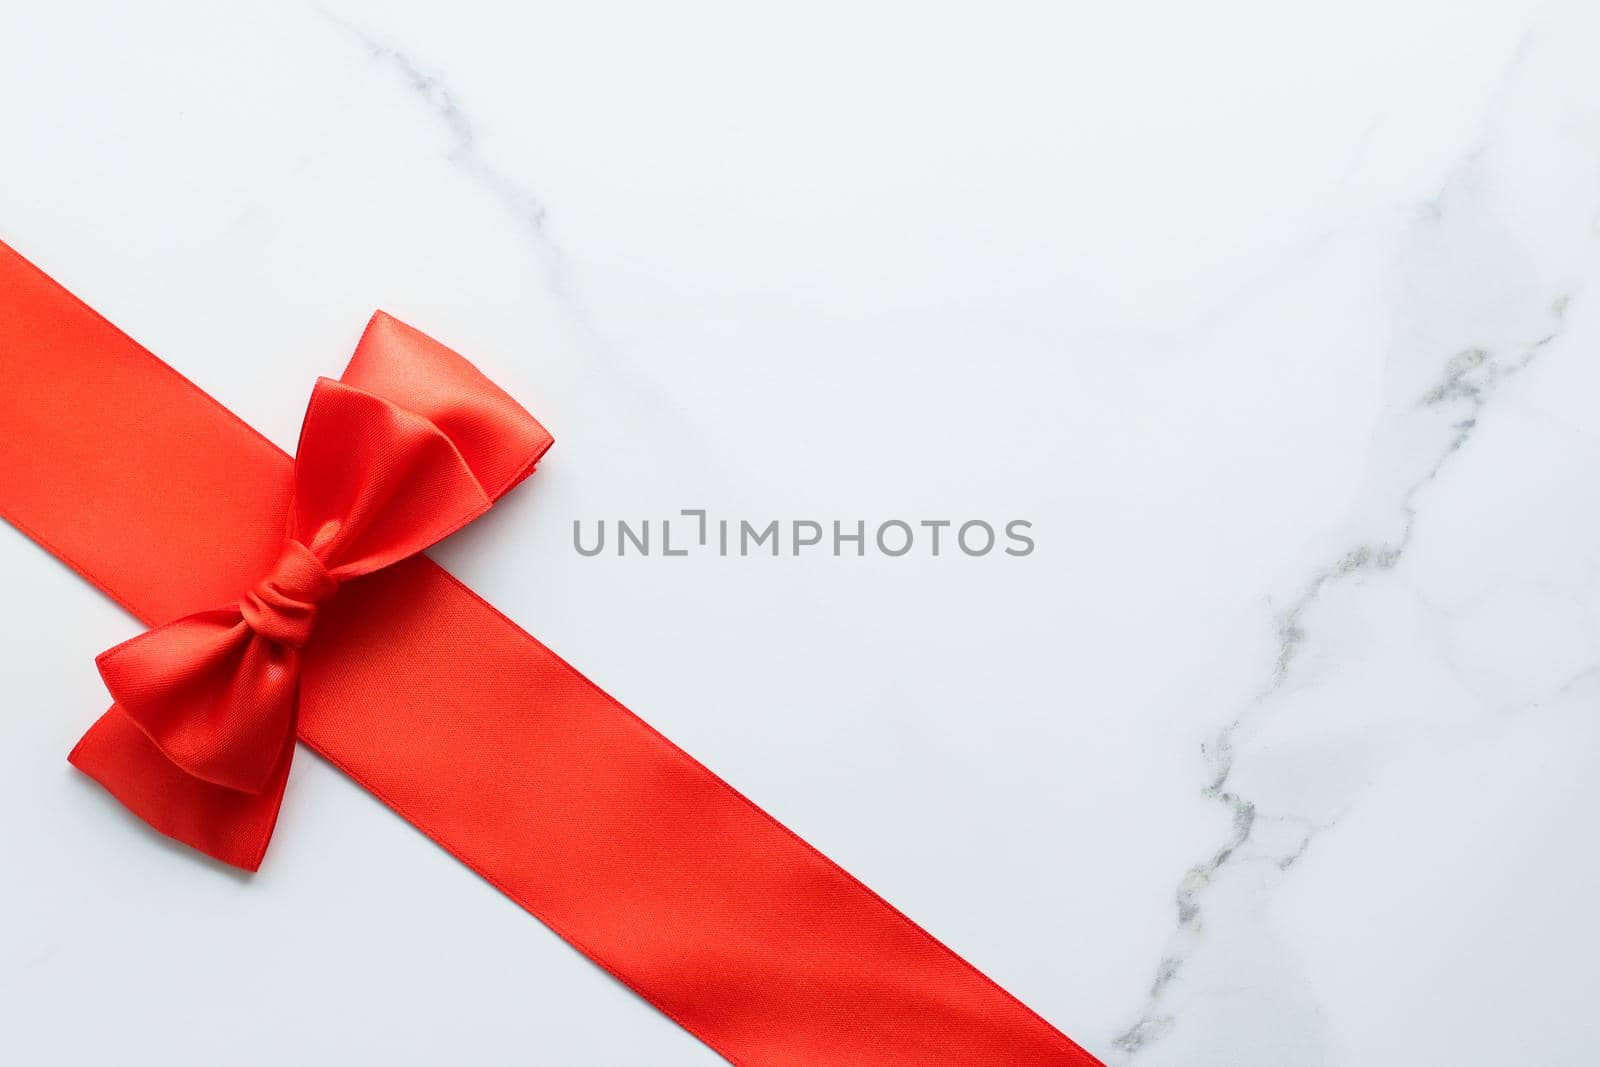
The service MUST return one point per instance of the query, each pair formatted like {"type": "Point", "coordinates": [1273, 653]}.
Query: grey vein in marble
{"type": "Point", "coordinates": [1456, 403]}
{"type": "Point", "coordinates": [521, 201]}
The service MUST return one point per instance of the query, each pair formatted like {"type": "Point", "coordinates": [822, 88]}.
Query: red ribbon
{"type": "Point", "coordinates": [288, 600]}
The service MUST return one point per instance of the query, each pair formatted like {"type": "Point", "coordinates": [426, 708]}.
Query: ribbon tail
{"type": "Point", "coordinates": [224, 823]}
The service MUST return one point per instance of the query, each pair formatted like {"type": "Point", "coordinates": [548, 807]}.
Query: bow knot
{"type": "Point", "coordinates": [283, 606]}
{"type": "Point", "coordinates": [409, 446]}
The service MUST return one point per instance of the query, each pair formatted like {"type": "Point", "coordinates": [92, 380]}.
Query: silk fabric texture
{"type": "Point", "coordinates": [288, 601]}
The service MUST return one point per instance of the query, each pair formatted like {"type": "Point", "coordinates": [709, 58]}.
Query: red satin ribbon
{"type": "Point", "coordinates": [461, 722]}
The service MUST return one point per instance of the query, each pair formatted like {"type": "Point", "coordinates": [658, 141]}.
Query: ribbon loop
{"type": "Point", "coordinates": [215, 698]}
{"type": "Point", "coordinates": [283, 606]}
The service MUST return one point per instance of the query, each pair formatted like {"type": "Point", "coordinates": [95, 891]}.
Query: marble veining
{"type": "Point", "coordinates": [1275, 832]}
{"type": "Point", "coordinates": [517, 198]}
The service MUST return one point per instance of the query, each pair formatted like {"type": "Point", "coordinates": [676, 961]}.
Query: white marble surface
{"type": "Point", "coordinates": [1278, 321]}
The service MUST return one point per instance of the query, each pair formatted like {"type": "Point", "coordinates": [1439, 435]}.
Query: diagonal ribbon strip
{"type": "Point", "coordinates": [458, 720]}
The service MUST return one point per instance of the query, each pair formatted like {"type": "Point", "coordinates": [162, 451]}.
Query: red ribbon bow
{"type": "Point", "coordinates": [454, 716]}
{"type": "Point", "coordinates": [409, 447]}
